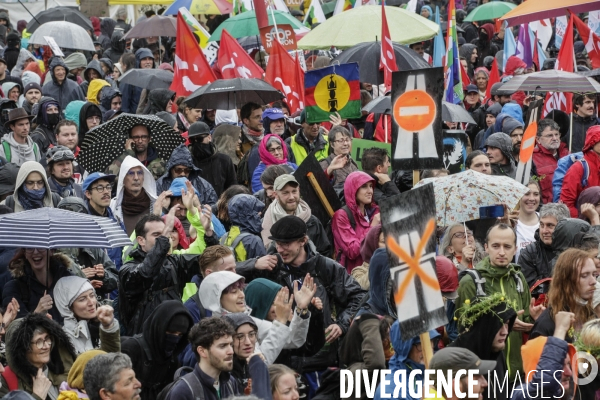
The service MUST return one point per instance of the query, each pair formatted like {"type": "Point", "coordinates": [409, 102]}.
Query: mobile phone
{"type": "Point", "coordinates": [491, 211]}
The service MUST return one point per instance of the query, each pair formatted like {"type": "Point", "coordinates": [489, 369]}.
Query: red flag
{"type": "Point", "coordinates": [536, 55]}
{"type": "Point", "coordinates": [234, 62]}
{"type": "Point", "coordinates": [191, 68]}
{"type": "Point", "coordinates": [464, 76]}
{"type": "Point", "coordinates": [387, 62]}
{"type": "Point", "coordinates": [299, 79]}
{"type": "Point", "coordinates": [282, 74]}
{"type": "Point", "coordinates": [494, 78]}
{"type": "Point", "coordinates": [591, 40]}
{"type": "Point", "coordinates": [564, 62]}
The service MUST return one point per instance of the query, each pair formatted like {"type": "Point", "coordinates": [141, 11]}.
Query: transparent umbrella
{"type": "Point", "coordinates": [66, 34]}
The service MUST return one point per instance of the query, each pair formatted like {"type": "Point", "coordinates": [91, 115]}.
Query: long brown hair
{"type": "Point", "coordinates": [564, 290]}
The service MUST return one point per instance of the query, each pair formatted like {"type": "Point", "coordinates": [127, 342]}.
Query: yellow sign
{"type": "Point", "coordinates": [332, 93]}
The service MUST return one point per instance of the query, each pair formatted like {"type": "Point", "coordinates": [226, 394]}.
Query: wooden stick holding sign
{"type": "Point", "coordinates": [322, 197]}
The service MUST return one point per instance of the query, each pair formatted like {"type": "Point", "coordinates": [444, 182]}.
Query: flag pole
{"type": "Point", "coordinates": [275, 24]}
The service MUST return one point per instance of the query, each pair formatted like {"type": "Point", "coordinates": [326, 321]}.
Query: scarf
{"type": "Point", "coordinates": [65, 190]}
{"type": "Point", "coordinates": [253, 133]}
{"type": "Point", "coordinates": [135, 205]}
{"type": "Point", "coordinates": [302, 211]}
{"type": "Point", "coordinates": [31, 199]}
{"type": "Point", "coordinates": [266, 157]}
{"type": "Point", "coordinates": [184, 121]}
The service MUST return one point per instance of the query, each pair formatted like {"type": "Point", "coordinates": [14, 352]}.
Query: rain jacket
{"type": "Point", "coordinates": [152, 366]}
{"type": "Point", "coordinates": [153, 162]}
{"type": "Point", "coordinates": [67, 289]}
{"type": "Point", "coordinates": [536, 260]}
{"type": "Point", "coordinates": [149, 185]}
{"type": "Point", "coordinates": [19, 153]}
{"type": "Point", "coordinates": [44, 135]}
{"type": "Point", "coordinates": [107, 94]}
{"type": "Point", "coordinates": [83, 88]}
{"type": "Point", "coordinates": [485, 47]}
{"type": "Point", "coordinates": [572, 188]}
{"type": "Point", "coordinates": [218, 170]}
{"type": "Point", "coordinates": [24, 55]}
{"type": "Point", "coordinates": [504, 143]}
{"type": "Point", "coordinates": [511, 282]}
{"type": "Point", "coordinates": [158, 99]}
{"type": "Point", "coordinates": [117, 46]}
{"type": "Point", "coordinates": [28, 291]}
{"type": "Point", "coordinates": [24, 171]}
{"type": "Point", "coordinates": [301, 146]}
{"type": "Point", "coordinates": [244, 215]}
{"type": "Point", "coordinates": [228, 385]}
{"type": "Point", "coordinates": [131, 94]}
{"type": "Point", "coordinates": [546, 163]}
{"type": "Point", "coordinates": [381, 300]}
{"type": "Point", "coordinates": [94, 89]}
{"type": "Point", "coordinates": [64, 92]}
{"type": "Point", "coordinates": [346, 239]}
{"type": "Point", "coordinates": [19, 335]}
{"type": "Point", "coordinates": [73, 110]}
{"type": "Point", "coordinates": [581, 125]}
{"type": "Point", "coordinates": [272, 336]}
{"type": "Point", "coordinates": [182, 156]}
{"type": "Point", "coordinates": [107, 27]}
{"type": "Point", "coordinates": [400, 360]}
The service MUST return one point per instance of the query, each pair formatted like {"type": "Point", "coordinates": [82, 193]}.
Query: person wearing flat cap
{"type": "Point", "coordinates": [298, 256]}
{"type": "Point", "coordinates": [17, 147]}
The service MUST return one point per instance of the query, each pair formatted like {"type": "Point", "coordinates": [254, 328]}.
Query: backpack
{"type": "Point", "coordinates": [480, 281]}
{"type": "Point", "coordinates": [8, 152]}
{"type": "Point", "coordinates": [243, 172]}
{"type": "Point", "coordinates": [329, 231]}
{"type": "Point", "coordinates": [561, 170]}
{"type": "Point", "coordinates": [234, 244]}
{"type": "Point", "coordinates": [186, 374]}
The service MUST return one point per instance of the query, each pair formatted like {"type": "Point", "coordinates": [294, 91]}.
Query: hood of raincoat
{"type": "Point", "coordinates": [430, 17]}
{"type": "Point", "coordinates": [158, 100]}
{"type": "Point", "coordinates": [382, 285]}
{"type": "Point", "coordinates": [512, 64]}
{"type": "Point", "coordinates": [85, 112]}
{"type": "Point", "coordinates": [149, 184]}
{"type": "Point", "coordinates": [489, 29]}
{"type": "Point", "coordinates": [244, 212]}
{"type": "Point", "coordinates": [260, 295]}
{"type": "Point", "coordinates": [501, 141]}
{"type": "Point", "coordinates": [402, 349]}
{"type": "Point", "coordinates": [353, 182]}
{"type": "Point", "coordinates": [96, 25]}
{"type": "Point", "coordinates": [24, 55]}
{"type": "Point", "coordinates": [143, 53]}
{"type": "Point", "coordinates": [157, 324]}
{"type": "Point", "coordinates": [510, 124]}
{"type": "Point", "coordinates": [466, 50]}
{"type": "Point", "coordinates": [7, 87]}
{"type": "Point", "coordinates": [57, 62]}
{"type": "Point", "coordinates": [107, 26]}
{"type": "Point", "coordinates": [76, 60]}
{"type": "Point", "coordinates": [106, 96]}
{"type": "Point", "coordinates": [513, 110]}
{"type": "Point", "coordinates": [93, 65]}
{"type": "Point", "coordinates": [565, 232]}
{"type": "Point", "coordinates": [67, 290]}
{"type": "Point", "coordinates": [73, 110]}
{"type": "Point", "coordinates": [182, 156]}
{"type": "Point", "coordinates": [116, 43]}
{"type": "Point", "coordinates": [212, 287]}
{"type": "Point", "coordinates": [27, 168]}
{"type": "Point", "coordinates": [108, 62]}
{"type": "Point", "coordinates": [41, 116]}
{"type": "Point", "coordinates": [95, 87]}
{"type": "Point", "coordinates": [239, 319]}
{"type": "Point", "coordinates": [591, 137]}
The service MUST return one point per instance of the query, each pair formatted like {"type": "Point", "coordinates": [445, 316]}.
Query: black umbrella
{"type": "Point", "coordinates": [367, 55]}
{"type": "Point", "coordinates": [148, 78]}
{"type": "Point", "coordinates": [455, 113]}
{"type": "Point", "coordinates": [229, 94]}
{"type": "Point", "coordinates": [106, 142]}
{"type": "Point", "coordinates": [156, 26]}
{"type": "Point", "coordinates": [60, 13]}
{"type": "Point", "coordinates": [381, 105]}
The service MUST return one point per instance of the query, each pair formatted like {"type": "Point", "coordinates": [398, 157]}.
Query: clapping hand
{"type": "Point", "coordinates": [283, 305]}
{"type": "Point", "coordinates": [304, 295]}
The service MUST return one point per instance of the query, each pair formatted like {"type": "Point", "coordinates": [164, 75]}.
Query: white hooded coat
{"type": "Point", "coordinates": [27, 168]}
{"type": "Point", "coordinates": [149, 184]}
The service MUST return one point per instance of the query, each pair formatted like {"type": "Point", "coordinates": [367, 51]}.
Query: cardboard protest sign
{"type": "Point", "coordinates": [409, 229]}
{"type": "Point", "coordinates": [360, 145]}
{"type": "Point", "coordinates": [332, 89]}
{"type": "Point", "coordinates": [455, 150]}
{"type": "Point", "coordinates": [308, 193]}
{"type": "Point", "coordinates": [417, 119]}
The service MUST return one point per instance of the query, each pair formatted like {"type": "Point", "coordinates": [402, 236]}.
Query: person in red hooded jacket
{"type": "Point", "coordinates": [485, 46]}
{"type": "Point", "coordinates": [572, 186]}
{"type": "Point", "coordinates": [514, 66]}
{"type": "Point", "coordinates": [358, 192]}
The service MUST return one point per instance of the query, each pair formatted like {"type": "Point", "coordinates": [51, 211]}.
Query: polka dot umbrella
{"type": "Point", "coordinates": [106, 142]}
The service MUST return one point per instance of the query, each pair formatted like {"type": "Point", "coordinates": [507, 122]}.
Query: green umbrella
{"type": "Point", "coordinates": [328, 7]}
{"type": "Point", "coordinates": [244, 24]}
{"type": "Point", "coordinates": [363, 24]}
{"type": "Point", "coordinates": [490, 11]}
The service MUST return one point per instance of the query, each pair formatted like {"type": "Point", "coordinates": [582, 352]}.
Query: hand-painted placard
{"type": "Point", "coordinates": [360, 145]}
{"type": "Point", "coordinates": [455, 150]}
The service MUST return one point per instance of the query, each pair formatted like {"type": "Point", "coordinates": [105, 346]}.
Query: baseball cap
{"type": "Point", "coordinates": [273, 114]}
{"type": "Point", "coordinates": [283, 180]}
{"type": "Point", "coordinates": [91, 178]}
{"type": "Point", "coordinates": [457, 358]}
{"type": "Point", "coordinates": [288, 229]}
{"type": "Point", "coordinates": [472, 88]}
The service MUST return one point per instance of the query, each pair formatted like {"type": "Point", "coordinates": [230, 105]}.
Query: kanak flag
{"type": "Point", "coordinates": [191, 68]}
{"type": "Point", "coordinates": [387, 62]}
{"type": "Point", "coordinates": [286, 75]}
{"type": "Point", "coordinates": [234, 62]}
{"type": "Point", "coordinates": [564, 62]}
{"type": "Point", "coordinates": [591, 40]}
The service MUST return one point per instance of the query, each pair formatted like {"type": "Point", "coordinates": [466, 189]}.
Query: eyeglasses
{"type": "Point", "coordinates": [94, 119]}
{"type": "Point", "coordinates": [241, 336]}
{"type": "Point", "coordinates": [344, 140]}
{"type": "Point", "coordinates": [34, 184]}
{"type": "Point", "coordinates": [461, 235]}
{"type": "Point", "coordinates": [101, 189]}
{"type": "Point", "coordinates": [182, 170]}
{"type": "Point", "coordinates": [40, 343]}
{"type": "Point", "coordinates": [140, 138]}
{"type": "Point", "coordinates": [135, 173]}
{"type": "Point", "coordinates": [275, 149]}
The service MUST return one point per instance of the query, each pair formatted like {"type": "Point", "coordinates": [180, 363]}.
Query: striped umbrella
{"type": "Point", "coordinates": [53, 228]}
{"type": "Point", "coordinates": [552, 80]}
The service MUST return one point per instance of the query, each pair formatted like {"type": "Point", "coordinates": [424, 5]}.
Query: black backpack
{"type": "Point", "coordinates": [329, 231]}
{"type": "Point", "coordinates": [187, 375]}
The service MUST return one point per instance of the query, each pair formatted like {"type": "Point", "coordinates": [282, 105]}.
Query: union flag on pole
{"type": "Point", "coordinates": [564, 62]}
{"type": "Point", "coordinates": [234, 62]}
{"type": "Point", "coordinates": [387, 61]}
{"type": "Point", "coordinates": [286, 75]}
{"type": "Point", "coordinates": [591, 40]}
{"type": "Point", "coordinates": [191, 68]}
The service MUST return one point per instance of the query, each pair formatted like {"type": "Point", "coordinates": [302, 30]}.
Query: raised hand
{"type": "Point", "coordinates": [188, 198]}
{"type": "Point", "coordinates": [106, 316]}
{"type": "Point", "coordinates": [304, 295]}
{"type": "Point", "coordinates": [283, 305]}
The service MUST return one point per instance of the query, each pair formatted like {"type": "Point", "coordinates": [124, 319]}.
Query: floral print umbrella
{"type": "Point", "coordinates": [459, 196]}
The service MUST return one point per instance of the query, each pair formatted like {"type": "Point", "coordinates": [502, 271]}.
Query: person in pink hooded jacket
{"type": "Point", "coordinates": [358, 192]}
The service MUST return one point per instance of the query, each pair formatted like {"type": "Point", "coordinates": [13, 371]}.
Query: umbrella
{"type": "Point", "coordinates": [368, 54]}
{"type": "Point", "coordinates": [104, 143]}
{"type": "Point", "coordinates": [534, 10]}
{"type": "Point", "coordinates": [455, 113]}
{"type": "Point", "coordinates": [52, 228]}
{"type": "Point", "coordinates": [66, 34]}
{"type": "Point", "coordinates": [594, 72]}
{"type": "Point", "coordinates": [250, 42]}
{"type": "Point", "coordinates": [244, 24]}
{"type": "Point", "coordinates": [155, 26]}
{"type": "Point", "coordinates": [210, 7]}
{"type": "Point", "coordinates": [60, 14]}
{"type": "Point", "coordinates": [552, 80]}
{"type": "Point", "coordinates": [148, 78]}
{"type": "Point", "coordinates": [363, 24]}
{"type": "Point", "coordinates": [459, 196]}
{"type": "Point", "coordinates": [380, 105]}
{"type": "Point", "coordinates": [490, 11]}
{"type": "Point", "coordinates": [228, 94]}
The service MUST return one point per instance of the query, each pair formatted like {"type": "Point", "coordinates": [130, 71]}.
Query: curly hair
{"type": "Point", "coordinates": [205, 332]}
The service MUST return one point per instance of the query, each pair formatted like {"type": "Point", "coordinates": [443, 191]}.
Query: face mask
{"type": "Point", "coordinates": [53, 119]}
{"type": "Point", "coordinates": [35, 194]}
{"type": "Point", "coordinates": [202, 151]}
{"type": "Point", "coordinates": [171, 342]}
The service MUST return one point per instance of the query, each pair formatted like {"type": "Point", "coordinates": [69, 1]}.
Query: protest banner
{"type": "Point", "coordinates": [360, 145]}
